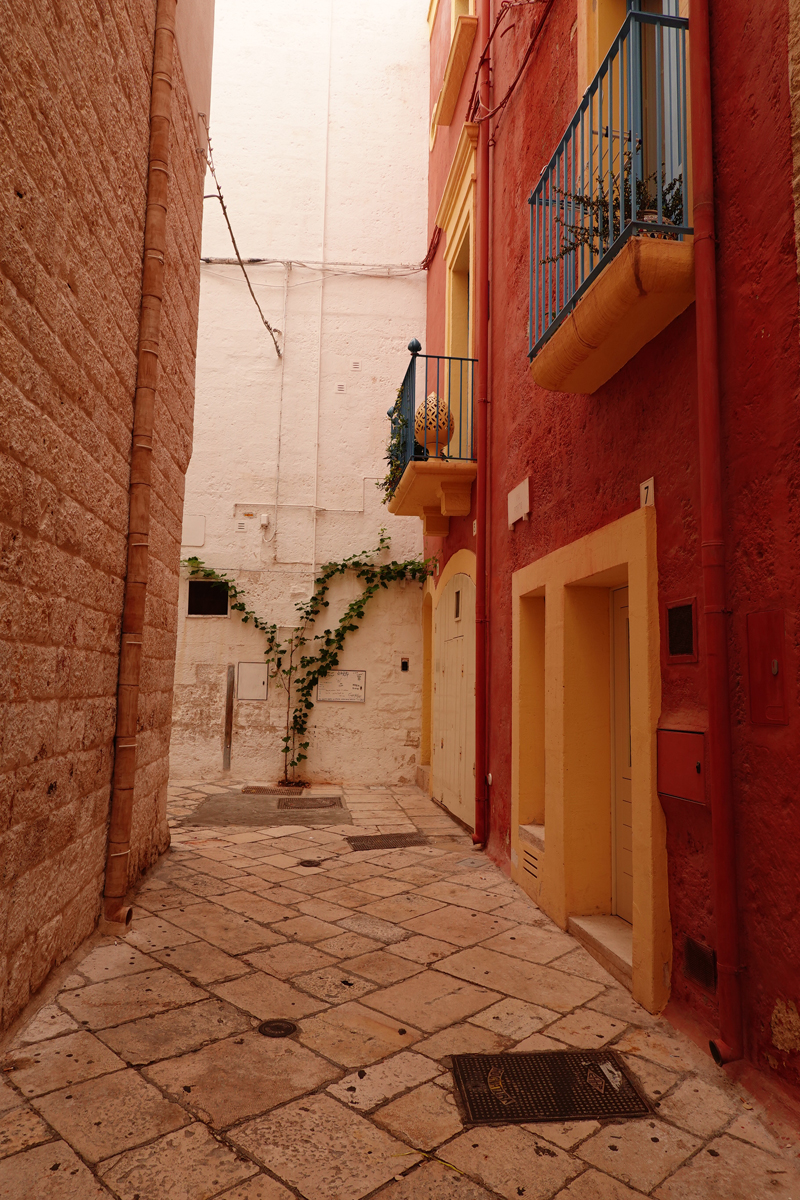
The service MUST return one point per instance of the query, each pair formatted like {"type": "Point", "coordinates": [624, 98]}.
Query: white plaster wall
{"type": "Point", "coordinates": [319, 134]}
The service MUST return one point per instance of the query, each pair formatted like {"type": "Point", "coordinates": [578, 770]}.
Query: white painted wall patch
{"type": "Point", "coordinates": [519, 503]}
{"type": "Point", "coordinates": [194, 530]}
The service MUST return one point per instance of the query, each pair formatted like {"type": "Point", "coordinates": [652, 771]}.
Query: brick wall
{"type": "Point", "coordinates": [74, 126]}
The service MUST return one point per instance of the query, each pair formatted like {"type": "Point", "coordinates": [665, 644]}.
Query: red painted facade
{"type": "Point", "coordinates": [586, 455]}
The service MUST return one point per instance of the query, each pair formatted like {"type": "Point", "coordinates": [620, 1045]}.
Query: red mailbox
{"type": "Point", "coordinates": [682, 764]}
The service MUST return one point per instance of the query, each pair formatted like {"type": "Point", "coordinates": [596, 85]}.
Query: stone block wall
{"type": "Point", "coordinates": [74, 131]}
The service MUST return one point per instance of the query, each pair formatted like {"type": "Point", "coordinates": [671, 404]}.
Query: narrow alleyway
{"type": "Point", "coordinates": [144, 1075]}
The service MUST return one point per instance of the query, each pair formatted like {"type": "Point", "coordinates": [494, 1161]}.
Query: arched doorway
{"type": "Point", "coordinates": [453, 741]}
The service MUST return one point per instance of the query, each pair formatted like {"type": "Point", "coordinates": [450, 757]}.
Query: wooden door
{"type": "Point", "coordinates": [622, 808]}
{"type": "Point", "coordinates": [453, 741]}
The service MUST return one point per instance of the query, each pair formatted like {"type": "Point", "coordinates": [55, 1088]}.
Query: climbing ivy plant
{"type": "Point", "coordinates": [303, 658]}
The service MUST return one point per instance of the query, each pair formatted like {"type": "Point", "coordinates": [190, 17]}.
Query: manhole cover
{"type": "Point", "coordinates": [258, 790]}
{"type": "Point", "coordinates": [277, 1028]}
{"type": "Point", "coordinates": [293, 801]}
{"type": "Point", "coordinates": [550, 1085]}
{"type": "Point", "coordinates": [309, 862]}
{"type": "Point", "coordinates": [386, 841]}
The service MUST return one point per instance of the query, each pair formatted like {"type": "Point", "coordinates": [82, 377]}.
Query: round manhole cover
{"type": "Point", "coordinates": [277, 1028]}
{"type": "Point", "coordinates": [309, 862]}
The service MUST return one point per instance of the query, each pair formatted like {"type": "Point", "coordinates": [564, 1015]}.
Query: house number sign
{"type": "Point", "coordinates": [343, 687]}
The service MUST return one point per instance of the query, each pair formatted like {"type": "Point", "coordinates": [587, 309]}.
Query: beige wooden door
{"type": "Point", "coordinates": [453, 741]}
{"type": "Point", "coordinates": [622, 809]}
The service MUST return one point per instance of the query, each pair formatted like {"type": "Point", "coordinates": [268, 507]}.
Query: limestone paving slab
{"type": "Point", "coordinates": [382, 968]}
{"type": "Point", "coordinates": [19, 1129]}
{"type": "Point", "coordinates": [375, 1085]}
{"type": "Point", "coordinates": [266, 997]}
{"type": "Point", "coordinates": [566, 1134]}
{"type": "Point", "coordinates": [335, 985]}
{"type": "Point", "coordinates": [373, 927]}
{"type": "Point", "coordinates": [112, 960]}
{"type": "Point", "coordinates": [432, 1000]}
{"type": "Point", "coordinates": [56, 1063]}
{"type": "Point", "coordinates": [290, 958]}
{"type": "Point", "coordinates": [640, 1153]}
{"type": "Point", "coordinates": [465, 897]}
{"type": "Point", "coordinates": [116, 1000]}
{"type": "Point", "coordinates": [433, 1181]}
{"type": "Point", "coordinates": [345, 945]}
{"type": "Point", "coordinates": [175, 1032]}
{"type": "Point", "coordinates": [526, 981]}
{"type": "Point", "coordinates": [324, 1150]}
{"type": "Point", "coordinates": [51, 1172]}
{"type": "Point", "coordinates": [424, 1118]}
{"type": "Point", "coordinates": [465, 1038]}
{"type": "Point", "coordinates": [355, 1036]}
{"type": "Point", "coordinates": [229, 930]}
{"type": "Point", "coordinates": [514, 1018]}
{"type": "Point", "coordinates": [654, 1081]}
{"type": "Point", "coordinates": [580, 962]}
{"type": "Point", "coordinates": [258, 907]}
{"type": "Point", "coordinates": [108, 1115]}
{"type": "Point", "coordinates": [323, 909]}
{"type": "Point", "coordinates": [237, 1078]}
{"type": "Point", "coordinates": [734, 1171]}
{"type": "Point", "coordinates": [50, 1021]}
{"type": "Point", "coordinates": [259, 1187]}
{"type": "Point", "coordinates": [592, 1185]}
{"type": "Point", "coordinates": [307, 929]}
{"type": "Point", "coordinates": [457, 925]}
{"type": "Point", "coordinates": [401, 908]}
{"type": "Point", "coordinates": [189, 1164]}
{"type": "Point", "coordinates": [169, 897]}
{"type": "Point", "coordinates": [153, 933]}
{"type": "Point", "coordinates": [700, 1108]}
{"type": "Point", "coordinates": [422, 950]}
{"type": "Point", "coordinates": [9, 1097]}
{"type": "Point", "coordinates": [532, 943]}
{"type": "Point", "coordinates": [201, 962]}
{"type": "Point", "coordinates": [509, 1160]}
{"type": "Point", "coordinates": [587, 1029]}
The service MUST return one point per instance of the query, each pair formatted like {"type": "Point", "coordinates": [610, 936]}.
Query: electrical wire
{"type": "Point", "coordinates": [474, 106]}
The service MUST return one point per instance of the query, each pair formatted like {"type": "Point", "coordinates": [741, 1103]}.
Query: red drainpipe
{"type": "Point", "coordinates": [728, 1046]}
{"type": "Point", "coordinates": [481, 834]}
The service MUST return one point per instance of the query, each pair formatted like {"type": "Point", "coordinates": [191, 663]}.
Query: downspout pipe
{"type": "Point", "coordinates": [728, 1046]}
{"type": "Point", "coordinates": [116, 914]}
{"type": "Point", "coordinates": [481, 833]}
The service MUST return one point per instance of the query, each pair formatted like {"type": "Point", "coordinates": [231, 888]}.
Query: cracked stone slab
{"type": "Point", "coordinates": [229, 930]}
{"type": "Point", "coordinates": [432, 1000]}
{"type": "Point", "coordinates": [49, 1022]}
{"type": "Point", "coordinates": [586, 1029]}
{"type": "Point", "coordinates": [508, 1158]}
{"type": "Point", "coordinates": [459, 926]}
{"type": "Point", "coordinates": [432, 1181]}
{"type": "Point", "coordinates": [424, 1118]}
{"type": "Point", "coordinates": [526, 981]}
{"type": "Point", "coordinates": [700, 1108]}
{"type": "Point", "coordinates": [355, 1036]}
{"type": "Point", "coordinates": [514, 1018]}
{"type": "Point", "coordinates": [373, 927]}
{"type": "Point", "coordinates": [265, 997]}
{"type": "Point", "coordinates": [325, 1150]}
{"type": "Point", "coordinates": [237, 1078]}
{"type": "Point", "coordinates": [640, 1153]}
{"type": "Point", "coordinates": [21, 1128]}
{"type": "Point", "coordinates": [175, 1032]}
{"type": "Point", "coordinates": [375, 1085]}
{"type": "Point", "coordinates": [116, 1000]}
{"type": "Point", "coordinates": [189, 1164]}
{"type": "Point", "coordinates": [108, 1115]}
{"type": "Point", "coordinates": [201, 962]}
{"type": "Point", "coordinates": [56, 1064]}
{"type": "Point", "coordinates": [52, 1172]}
{"type": "Point", "coordinates": [730, 1169]}
{"type": "Point", "coordinates": [151, 933]}
{"type": "Point", "coordinates": [108, 962]}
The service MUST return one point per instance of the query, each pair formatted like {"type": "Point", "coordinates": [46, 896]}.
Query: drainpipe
{"type": "Point", "coordinates": [116, 914]}
{"type": "Point", "coordinates": [728, 1046]}
{"type": "Point", "coordinates": [481, 834]}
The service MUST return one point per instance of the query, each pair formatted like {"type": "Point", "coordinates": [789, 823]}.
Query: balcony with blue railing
{"type": "Point", "coordinates": [431, 463]}
{"type": "Point", "coordinates": [612, 257]}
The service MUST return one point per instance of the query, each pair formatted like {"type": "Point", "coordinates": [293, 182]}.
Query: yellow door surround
{"type": "Point", "coordinates": [561, 736]}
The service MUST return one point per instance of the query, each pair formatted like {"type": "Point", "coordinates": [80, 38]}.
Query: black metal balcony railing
{"type": "Point", "coordinates": [620, 169]}
{"type": "Point", "coordinates": [432, 417]}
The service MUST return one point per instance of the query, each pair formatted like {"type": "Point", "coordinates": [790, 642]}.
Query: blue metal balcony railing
{"type": "Point", "coordinates": [433, 414]}
{"type": "Point", "coordinates": [619, 171]}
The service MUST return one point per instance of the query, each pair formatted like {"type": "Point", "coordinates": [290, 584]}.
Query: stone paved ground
{"type": "Point", "coordinates": [144, 1076]}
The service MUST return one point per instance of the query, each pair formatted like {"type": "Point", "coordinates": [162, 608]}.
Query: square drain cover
{"type": "Point", "coordinates": [310, 802]}
{"type": "Point", "coordinates": [269, 790]}
{"type": "Point", "coordinates": [551, 1085]}
{"type": "Point", "coordinates": [386, 841]}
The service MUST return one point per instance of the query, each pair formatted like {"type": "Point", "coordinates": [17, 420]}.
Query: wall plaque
{"type": "Point", "coordinates": [343, 687]}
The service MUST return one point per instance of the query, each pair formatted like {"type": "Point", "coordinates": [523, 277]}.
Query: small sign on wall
{"type": "Point", "coordinates": [519, 503]}
{"type": "Point", "coordinates": [343, 687]}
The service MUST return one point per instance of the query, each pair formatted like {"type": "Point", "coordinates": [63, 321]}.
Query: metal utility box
{"type": "Point", "coordinates": [252, 681]}
{"type": "Point", "coordinates": [766, 668]}
{"type": "Point", "coordinates": [682, 764]}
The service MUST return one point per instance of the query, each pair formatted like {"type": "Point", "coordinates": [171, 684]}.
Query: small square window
{"type": "Point", "coordinates": [680, 631]}
{"type": "Point", "coordinates": [207, 598]}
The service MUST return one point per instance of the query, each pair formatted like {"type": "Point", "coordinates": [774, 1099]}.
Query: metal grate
{"type": "Point", "coordinates": [310, 802]}
{"type": "Point", "coordinates": [386, 841]}
{"type": "Point", "coordinates": [551, 1085]}
{"type": "Point", "coordinates": [269, 791]}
